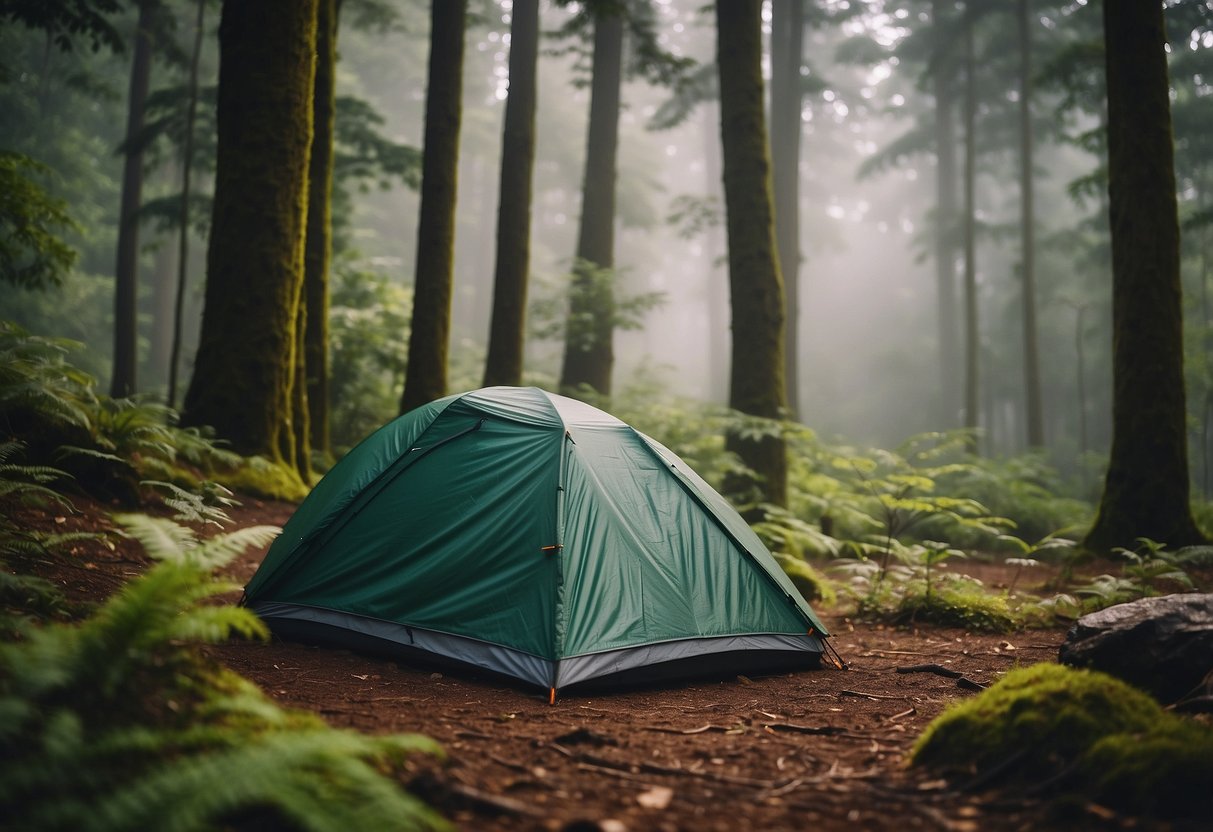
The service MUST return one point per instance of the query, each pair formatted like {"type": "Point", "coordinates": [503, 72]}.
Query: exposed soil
{"type": "Point", "coordinates": [820, 749]}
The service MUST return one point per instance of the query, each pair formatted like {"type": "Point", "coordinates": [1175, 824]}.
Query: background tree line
{"type": "Point", "coordinates": [975, 238]}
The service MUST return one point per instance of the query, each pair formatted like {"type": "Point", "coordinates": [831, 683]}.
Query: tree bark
{"type": "Point", "coordinates": [1146, 490]}
{"type": "Point", "coordinates": [972, 340]}
{"type": "Point", "coordinates": [425, 376]}
{"type": "Point", "coordinates": [245, 367]}
{"type": "Point", "coordinates": [950, 372]}
{"type": "Point", "coordinates": [319, 246]}
{"type": "Point", "coordinates": [126, 274]}
{"type": "Point", "coordinates": [787, 49]}
{"type": "Point", "coordinates": [183, 230]}
{"type": "Point", "coordinates": [588, 346]}
{"type": "Point", "coordinates": [508, 326]}
{"type": "Point", "coordinates": [756, 287]}
{"type": "Point", "coordinates": [1031, 350]}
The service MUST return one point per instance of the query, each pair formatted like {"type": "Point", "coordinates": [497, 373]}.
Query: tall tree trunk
{"type": "Point", "coordinates": [508, 326]}
{"type": "Point", "coordinates": [319, 247]}
{"type": "Point", "coordinates": [183, 219]}
{"type": "Point", "coordinates": [245, 367]}
{"type": "Point", "coordinates": [1081, 371]}
{"type": "Point", "coordinates": [588, 345]}
{"type": "Point", "coordinates": [756, 288]}
{"type": "Point", "coordinates": [160, 339]}
{"type": "Point", "coordinates": [942, 80]}
{"type": "Point", "coordinates": [126, 274]}
{"type": "Point", "coordinates": [1031, 349]}
{"type": "Point", "coordinates": [1146, 490]}
{"type": "Point", "coordinates": [972, 341]}
{"type": "Point", "coordinates": [787, 49]}
{"type": "Point", "coordinates": [425, 376]}
{"type": "Point", "coordinates": [716, 292]}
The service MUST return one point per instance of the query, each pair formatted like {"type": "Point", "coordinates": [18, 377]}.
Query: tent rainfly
{"type": "Point", "coordinates": [536, 536]}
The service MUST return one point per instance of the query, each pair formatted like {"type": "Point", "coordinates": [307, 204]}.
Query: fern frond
{"type": "Point", "coordinates": [220, 550]}
{"type": "Point", "coordinates": [320, 780]}
{"type": "Point", "coordinates": [162, 539]}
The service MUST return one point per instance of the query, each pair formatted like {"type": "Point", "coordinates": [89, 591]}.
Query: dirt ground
{"type": "Point", "coordinates": [821, 749]}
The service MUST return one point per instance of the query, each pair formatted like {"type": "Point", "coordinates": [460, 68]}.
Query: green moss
{"type": "Point", "coordinates": [1165, 773]}
{"type": "Point", "coordinates": [262, 477]}
{"type": "Point", "coordinates": [1096, 736]}
{"type": "Point", "coordinates": [812, 584]}
{"type": "Point", "coordinates": [959, 606]}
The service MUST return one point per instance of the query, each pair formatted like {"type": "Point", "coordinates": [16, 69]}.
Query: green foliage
{"type": "Point", "coordinates": [957, 601]}
{"type": "Point", "coordinates": [909, 589]}
{"type": "Point", "coordinates": [117, 724]}
{"type": "Point", "coordinates": [32, 253]}
{"type": "Point", "coordinates": [1026, 490]}
{"type": "Point", "coordinates": [265, 478]}
{"type": "Point", "coordinates": [1079, 732]}
{"type": "Point", "coordinates": [111, 444]}
{"type": "Point", "coordinates": [36, 376]}
{"type": "Point", "coordinates": [167, 540]}
{"type": "Point", "coordinates": [23, 597]}
{"type": "Point", "coordinates": [592, 295]}
{"type": "Point", "coordinates": [1149, 570]}
{"type": "Point", "coordinates": [812, 584]}
{"type": "Point", "coordinates": [368, 349]}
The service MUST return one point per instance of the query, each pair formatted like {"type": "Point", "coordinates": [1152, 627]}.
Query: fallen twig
{"type": "Point", "coordinates": [698, 730]}
{"type": "Point", "coordinates": [937, 669]}
{"type": "Point", "coordinates": [824, 730]}
{"type": "Point", "coordinates": [873, 696]}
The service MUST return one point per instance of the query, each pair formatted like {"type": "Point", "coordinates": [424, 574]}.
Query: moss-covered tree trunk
{"type": "Point", "coordinates": [425, 375]}
{"type": "Point", "coordinates": [1146, 490]}
{"type": "Point", "coordinates": [126, 274]}
{"type": "Point", "coordinates": [245, 368]}
{"type": "Point", "coordinates": [589, 353]}
{"type": "Point", "coordinates": [943, 80]}
{"type": "Point", "coordinates": [787, 48]}
{"type": "Point", "coordinates": [508, 325]}
{"type": "Point", "coordinates": [756, 384]}
{"type": "Point", "coordinates": [319, 246]}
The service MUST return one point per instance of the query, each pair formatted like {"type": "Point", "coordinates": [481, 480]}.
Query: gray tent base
{"type": "Point", "coordinates": [719, 656]}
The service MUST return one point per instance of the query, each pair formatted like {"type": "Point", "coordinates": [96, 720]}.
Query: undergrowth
{"type": "Point", "coordinates": [119, 723]}
{"type": "Point", "coordinates": [110, 446]}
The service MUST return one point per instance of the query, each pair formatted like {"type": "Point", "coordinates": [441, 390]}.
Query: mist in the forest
{"type": "Point", "coordinates": [868, 318]}
{"type": "Point", "coordinates": [871, 368]}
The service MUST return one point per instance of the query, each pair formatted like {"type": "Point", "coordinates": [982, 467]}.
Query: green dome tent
{"type": "Point", "coordinates": [536, 536]}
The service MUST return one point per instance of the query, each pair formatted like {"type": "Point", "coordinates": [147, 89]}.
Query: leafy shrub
{"type": "Point", "coordinates": [1081, 732]}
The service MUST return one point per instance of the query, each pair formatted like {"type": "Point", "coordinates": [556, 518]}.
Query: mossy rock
{"type": "Point", "coordinates": [1088, 733]}
{"type": "Point", "coordinates": [812, 584]}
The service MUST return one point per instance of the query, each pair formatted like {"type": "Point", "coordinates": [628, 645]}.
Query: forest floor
{"type": "Point", "coordinates": [821, 749]}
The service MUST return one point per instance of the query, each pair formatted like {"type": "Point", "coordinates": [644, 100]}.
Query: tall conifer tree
{"type": "Point", "coordinates": [755, 287]}
{"type": "Point", "coordinates": [425, 375]}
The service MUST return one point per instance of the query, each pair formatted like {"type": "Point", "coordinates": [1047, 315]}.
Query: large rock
{"type": "Point", "coordinates": [1161, 645]}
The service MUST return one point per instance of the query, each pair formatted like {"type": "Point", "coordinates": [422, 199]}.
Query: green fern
{"type": "Point", "coordinates": [203, 506]}
{"type": "Point", "coordinates": [116, 724]}
{"type": "Point", "coordinates": [168, 540]}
